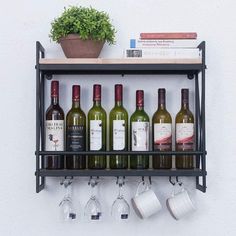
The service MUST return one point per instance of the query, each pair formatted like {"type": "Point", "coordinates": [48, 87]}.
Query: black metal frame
{"type": "Point", "coordinates": [46, 71]}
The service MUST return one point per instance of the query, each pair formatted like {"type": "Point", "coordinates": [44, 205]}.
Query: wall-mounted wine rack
{"type": "Point", "coordinates": [46, 68]}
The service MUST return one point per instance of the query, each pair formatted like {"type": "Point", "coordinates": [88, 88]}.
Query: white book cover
{"type": "Point", "coordinates": [166, 53]}
{"type": "Point", "coordinates": [164, 43]}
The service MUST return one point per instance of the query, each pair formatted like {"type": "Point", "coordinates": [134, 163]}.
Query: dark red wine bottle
{"type": "Point", "coordinates": [54, 130]}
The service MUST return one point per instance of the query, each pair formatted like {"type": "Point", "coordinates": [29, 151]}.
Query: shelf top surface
{"type": "Point", "coordinates": [120, 66]}
{"type": "Point", "coordinates": [120, 61]}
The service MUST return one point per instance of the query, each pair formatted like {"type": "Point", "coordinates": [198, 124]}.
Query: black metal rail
{"type": "Point", "coordinates": [117, 173]}
{"type": "Point", "coordinates": [46, 71]}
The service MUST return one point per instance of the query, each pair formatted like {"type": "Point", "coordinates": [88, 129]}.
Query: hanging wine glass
{"type": "Point", "coordinates": [67, 210]}
{"type": "Point", "coordinates": [120, 208]}
{"type": "Point", "coordinates": [93, 211]}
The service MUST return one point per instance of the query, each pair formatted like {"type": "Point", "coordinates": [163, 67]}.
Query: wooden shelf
{"type": "Point", "coordinates": [119, 66]}
{"type": "Point", "coordinates": [73, 61]}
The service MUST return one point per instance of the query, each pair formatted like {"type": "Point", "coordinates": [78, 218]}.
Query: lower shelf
{"type": "Point", "coordinates": [116, 173]}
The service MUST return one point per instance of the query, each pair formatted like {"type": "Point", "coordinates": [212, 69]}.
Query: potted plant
{"type": "Point", "coordinates": [82, 31]}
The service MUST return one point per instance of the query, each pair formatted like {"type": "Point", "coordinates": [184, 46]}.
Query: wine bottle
{"type": "Point", "coordinates": [184, 133]}
{"type": "Point", "coordinates": [97, 126]}
{"type": "Point", "coordinates": [75, 132]}
{"type": "Point", "coordinates": [54, 130]}
{"type": "Point", "coordinates": [162, 133]}
{"type": "Point", "coordinates": [118, 131]}
{"type": "Point", "coordinates": [139, 129]}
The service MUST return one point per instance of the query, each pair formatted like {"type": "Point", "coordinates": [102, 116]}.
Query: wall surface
{"type": "Point", "coordinates": [22, 211]}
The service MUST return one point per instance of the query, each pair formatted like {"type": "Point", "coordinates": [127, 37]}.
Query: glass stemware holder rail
{"type": "Point", "coordinates": [193, 69]}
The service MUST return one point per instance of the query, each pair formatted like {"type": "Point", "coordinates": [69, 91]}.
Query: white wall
{"type": "Point", "coordinates": [22, 211]}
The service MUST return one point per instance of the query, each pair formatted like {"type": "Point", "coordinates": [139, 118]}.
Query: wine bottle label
{"type": "Point", "coordinates": [185, 136]}
{"type": "Point", "coordinates": [75, 138]}
{"type": "Point", "coordinates": [118, 135]}
{"type": "Point", "coordinates": [140, 136]}
{"type": "Point", "coordinates": [95, 135]}
{"type": "Point", "coordinates": [162, 136]}
{"type": "Point", "coordinates": [54, 135]}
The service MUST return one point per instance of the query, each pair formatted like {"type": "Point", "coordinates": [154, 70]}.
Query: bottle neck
{"type": "Point", "coordinates": [75, 103]}
{"type": "Point", "coordinates": [97, 103]}
{"type": "Point", "coordinates": [54, 100]}
{"type": "Point", "coordinates": [139, 108]}
{"type": "Point", "coordinates": [162, 103]}
{"type": "Point", "coordinates": [184, 105]}
{"type": "Point", "coordinates": [118, 103]}
{"type": "Point", "coordinates": [184, 99]}
{"type": "Point", "coordinates": [161, 99]}
{"type": "Point", "coordinates": [161, 106]}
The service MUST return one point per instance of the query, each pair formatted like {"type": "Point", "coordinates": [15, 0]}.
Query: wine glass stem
{"type": "Point", "coordinates": [120, 191]}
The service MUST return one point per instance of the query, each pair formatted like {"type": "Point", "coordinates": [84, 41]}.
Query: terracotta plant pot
{"type": "Point", "coordinates": [75, 47]}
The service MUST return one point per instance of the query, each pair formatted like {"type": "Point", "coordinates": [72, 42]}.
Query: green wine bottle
{"type": "Point", "coordinates": [139, 132]}
{"type": "Point", "coordinates": [97, 126]}
{"type": "Point", "coordinates": [162, 133]}
{"type": "Point", "coordinates": [184, 133]}
{"type": "Point", "coordinates": [75, 132]}
{"type": "Point", "coordinates": [118, 131]}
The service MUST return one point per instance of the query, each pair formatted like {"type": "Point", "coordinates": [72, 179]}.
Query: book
{"type": "Point", "coordinates": [177, 35]}
{"type": "Point", "coordinates": [163, 43]}
{"type": "Point", "coordinates": [166, 53]}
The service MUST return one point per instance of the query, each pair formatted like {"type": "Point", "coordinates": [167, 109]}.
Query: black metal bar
{"type": "Point", "coordinates": [118, 153]}
{"type": "Point", "coordinates": [40, 53]}
{"type": "Point", "coordinates": [117, 173]}
{"type": "Point", "coordinates": [37, 118]}
{"type": "Point", "coordinates": [203, 114]}
{"type": "Point", "coordinates": [197, 119]}
{"type": "Point", "coordinates": [120, 68]}
{"type": "Point", "coordinates": [202, 186]}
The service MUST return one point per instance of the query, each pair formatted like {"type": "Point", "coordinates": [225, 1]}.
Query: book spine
{"type": "Point", "coordinates": [139, 43]}
{"type": "Point", "coordinates": [163, 53]}
{"type": "Point", "coordinates": [184, 35]}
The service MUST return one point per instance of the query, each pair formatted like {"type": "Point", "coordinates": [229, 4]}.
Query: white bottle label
{"type": "Point", "coordinates": [184, 133]}
{"type": "Point", "coordinates": [118, 135]}
{"type": "Point", "coordinates": [140, 136]}
{"type": "Point", "coordinates": [54, 135]}
{"type": "Point", "coordinates": [162, 133]}
{"type": "Point", "coordinates": [95, 135]}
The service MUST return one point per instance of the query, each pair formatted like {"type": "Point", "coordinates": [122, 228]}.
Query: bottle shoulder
{"type": "Point", "coordinates": [184, 115]}
{"type": "Point", "coordinates": [139, 116]}
{"type": "Point", "coordinates": [118, 111]}
{"type": "Point", "coordinates": [76, 113]}
{"type": "Point", "coordinates": [54, 111]}
{"type": "Point", "coordinates": [161, 116]}
{"type": "Point", "coordinates": [97, 113]}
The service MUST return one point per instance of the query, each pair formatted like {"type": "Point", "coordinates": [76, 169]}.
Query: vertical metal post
{"type": "Point", "coordinates": [42, 109]}
{"type": "Point", "coordinates": [39, 121]}
{"type": "Point", "coordinates": [203, 117]}
{"type": "Point", "coordinates": [37, 118]}
{"type": "Point", "coordinates": [197, 115]}
{"type": "Point", "coordinates": [197, 119]}
{"type": "Point", "coordinates": [202, 123]}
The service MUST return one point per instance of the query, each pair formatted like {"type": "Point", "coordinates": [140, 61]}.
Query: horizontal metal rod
{"type": "Point", "coordinates": [131, 153]}
{"type": "Point", "coordinates": [126, 172]}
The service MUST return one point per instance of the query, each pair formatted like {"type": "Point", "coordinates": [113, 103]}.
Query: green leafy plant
{"type": "Point", "coordinates": [87, 22]}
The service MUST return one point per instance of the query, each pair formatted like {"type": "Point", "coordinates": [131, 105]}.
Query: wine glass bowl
{"type": "Point", "coordinates": [93, 209]}
{"type": "Point", "coordinates": [67, 210]}
{"type": "Point", "coordinates": [120, 209]}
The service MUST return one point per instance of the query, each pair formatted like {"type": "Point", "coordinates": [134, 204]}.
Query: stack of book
{"type": "Point", "coordinates": [181, 45]}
